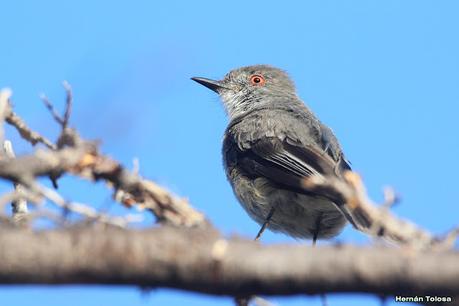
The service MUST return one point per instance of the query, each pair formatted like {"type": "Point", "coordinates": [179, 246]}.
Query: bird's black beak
{"type": "Point", "coordinates": [211, 84]}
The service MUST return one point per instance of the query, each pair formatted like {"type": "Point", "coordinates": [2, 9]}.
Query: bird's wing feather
{"type": "Point", "coordinates": [332, 148]}
{"type": "Point", "coordinates": [284, 156]}
{"type": "Point", "coordinates": [288, 165]}
{"type": "Point", "coordinates": [292, 156]}
{"type": "Point", "coordinates": [284, 161]}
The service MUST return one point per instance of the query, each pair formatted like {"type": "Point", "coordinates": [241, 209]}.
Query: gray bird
{"type": "Point", "coordinates": [273, 141]}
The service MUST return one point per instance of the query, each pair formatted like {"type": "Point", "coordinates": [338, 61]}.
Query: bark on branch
{"type": "Point", "coordinates": [200, 260]}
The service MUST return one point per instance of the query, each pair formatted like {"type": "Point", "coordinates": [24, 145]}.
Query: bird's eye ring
{"type": "Point", "coordinates": [257, 80]}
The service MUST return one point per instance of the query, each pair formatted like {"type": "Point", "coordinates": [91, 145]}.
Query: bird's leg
{"type": "Point", "coordinates": [265, 224]}
{"type": "Point", "coordinates": [314, 238]}
{"type": "Point", "coordinates": [242, 301]}
{"type": "Point", "coordinates": [315, 234]}
{"type": "Point", "coordinates": [316, 231]}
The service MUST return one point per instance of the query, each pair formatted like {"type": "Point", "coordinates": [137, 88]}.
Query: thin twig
{"type": "Point", "coordinates": [64, 119]}
{"type": "Point", "coordinates": [26, 133]}
{"type": "Point", "coordinates": [19, 205]}
{"type": "Point", "coordinates": [15, 195]}
{"type": "Point", "coordinates": [390, 199]}
{"type": "Point", "coordinates": [68, 104]}
{"type": "Point", "coordinates": [85, 210]}
{"type": "Point", "coordinates": [259, 301]}
{"type": "Point", "coordinates": [51, 109]}
{"type": "Point", "coordinates": [5, 95]}
{"type": "Point", "coordinates": [135, 166]}
{"type": "Point", "coordinates": [448, 240]}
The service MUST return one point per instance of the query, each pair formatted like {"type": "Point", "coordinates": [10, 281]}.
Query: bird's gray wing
{"type": "Point", "coordinates": [331, 146]}
{"type": "Point", "coordinates": [284, 161]}
{"type": "Point", "coordinates": [287, 163]}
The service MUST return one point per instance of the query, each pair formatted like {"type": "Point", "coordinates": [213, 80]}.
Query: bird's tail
{"type": "Point", "coordinates": [356, 216]}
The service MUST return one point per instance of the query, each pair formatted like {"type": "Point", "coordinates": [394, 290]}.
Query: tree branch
{"type": "Point", "coordinates": [20, 205]}
{"type": "Point", "coordinates": [351, 193]}
{"type": "Point", "coordinates": [200, 260]}
{"type": "Point", "coordinates": [82, 158]}
{"type": "Point", "coordinates": [25, 132]}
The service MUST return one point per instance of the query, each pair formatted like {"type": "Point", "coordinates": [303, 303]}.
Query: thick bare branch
{"type": "Point", "coordinates": [200, 260]}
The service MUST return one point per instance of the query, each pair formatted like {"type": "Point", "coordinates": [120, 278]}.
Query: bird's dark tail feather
{"type": "Point", "coordinates": [357, 217]}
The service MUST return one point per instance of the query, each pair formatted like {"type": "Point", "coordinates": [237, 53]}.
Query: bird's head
{"type": "Point", "coordinates": [248, 88]}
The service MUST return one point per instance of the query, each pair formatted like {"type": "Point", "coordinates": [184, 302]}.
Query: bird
{"type": "Point", "coordinates": [273, 141]}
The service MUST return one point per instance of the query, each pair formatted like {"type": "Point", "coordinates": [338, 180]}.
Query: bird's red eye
{"type": "Point", "coordinates": [257, 80]}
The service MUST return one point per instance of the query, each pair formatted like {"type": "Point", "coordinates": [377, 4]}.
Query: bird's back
{"type": "Point", "coordinates": [294, 124]}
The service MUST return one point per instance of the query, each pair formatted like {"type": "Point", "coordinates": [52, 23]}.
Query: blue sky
{"type": "Point", "coordinates": [383, 74]}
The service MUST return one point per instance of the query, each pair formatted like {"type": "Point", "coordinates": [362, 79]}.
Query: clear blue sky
{"type": "Point", "coordinates": [383, 74]}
